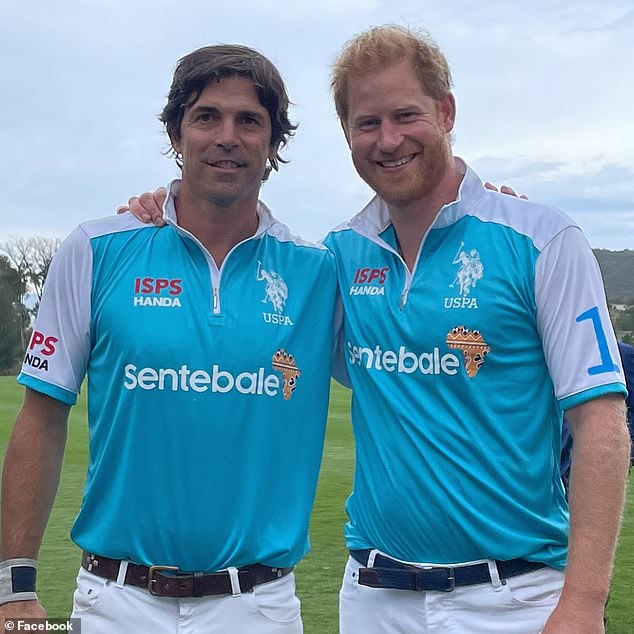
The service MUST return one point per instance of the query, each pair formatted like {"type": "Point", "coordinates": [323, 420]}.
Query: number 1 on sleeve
{"type": "Point", "coordinates": [607, 364]}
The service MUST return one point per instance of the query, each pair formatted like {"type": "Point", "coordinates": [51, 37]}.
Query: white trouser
{"type": "Point", "coordinates": [519, 605]}
{"type": "Point", "coordinates": [106, 607]}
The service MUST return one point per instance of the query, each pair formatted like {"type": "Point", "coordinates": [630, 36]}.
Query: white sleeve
{"type": "Point", "coordinates": [573, 320]}
{"type": "Point", "coordinates": [57, 355]}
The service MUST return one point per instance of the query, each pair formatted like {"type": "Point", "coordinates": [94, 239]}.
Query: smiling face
{"type": "Point", "coordinates": [398, 135]}
{"type": "Point", "coordinates": [225, 139]}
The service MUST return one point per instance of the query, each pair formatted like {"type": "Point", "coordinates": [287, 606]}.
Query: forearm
{"type": "Point", "coordinates": [597, 491]}
{"type": "Point", "coordinates": [31, 474]}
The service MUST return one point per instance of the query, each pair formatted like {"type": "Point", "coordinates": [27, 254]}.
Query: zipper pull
{"type": "Point", "coordinates": [215, 299]}
{"type": "Point", "coordinates": [403, 299]}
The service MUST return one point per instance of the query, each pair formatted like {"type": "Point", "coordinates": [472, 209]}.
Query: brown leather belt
{"type": "Point", "coordinates": [177, 584]}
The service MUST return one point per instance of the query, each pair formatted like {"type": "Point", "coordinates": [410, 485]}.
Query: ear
{"type": "Point", "coordinates": [447, 111]}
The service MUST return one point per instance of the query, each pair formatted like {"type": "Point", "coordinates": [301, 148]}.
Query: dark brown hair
{"type": "Point", "coordinates": [210, 63]}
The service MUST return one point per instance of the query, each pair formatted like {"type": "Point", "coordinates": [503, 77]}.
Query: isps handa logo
{"type": "Point", "coordinates": [369, 281]}
{"type": "Point", "coordinates": [41, 349]}
{"type": "Point", "coordinates": [157, 291]}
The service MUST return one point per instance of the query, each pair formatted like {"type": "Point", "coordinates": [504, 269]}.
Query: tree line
{"type": "Point", "coordinates": [24, 264]}
{"type": "Point", "coordinates": [617, 268]}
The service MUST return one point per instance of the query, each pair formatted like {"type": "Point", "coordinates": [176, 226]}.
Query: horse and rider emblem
{"type": "Point", "coordinates": [470, 271]}
{"type": "Point", "coordinates": [276, 290]}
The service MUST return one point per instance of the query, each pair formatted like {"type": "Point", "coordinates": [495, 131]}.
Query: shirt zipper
{"type": "Point", "coordinates": [215, 273]}
{"type": "Point", "coordinates": [409, 275]}
{"type": "Point", "coordinates": [216, 302]}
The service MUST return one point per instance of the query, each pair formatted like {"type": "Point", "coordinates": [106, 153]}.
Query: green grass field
{"type": "Point", "coordinates": [318, 576]}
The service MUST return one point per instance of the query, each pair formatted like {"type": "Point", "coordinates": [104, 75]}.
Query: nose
{"type": "Point", "coordinates": [226, 137]}
{"type": "Point", "coordinates": [389, 137]}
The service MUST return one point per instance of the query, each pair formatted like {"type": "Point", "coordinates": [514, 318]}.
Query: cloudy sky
{"type": "Point", "coordinates": [544, 91]}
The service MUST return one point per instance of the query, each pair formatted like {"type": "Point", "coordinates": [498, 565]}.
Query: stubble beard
{"type": "Point", "coordinates": [435, 162]}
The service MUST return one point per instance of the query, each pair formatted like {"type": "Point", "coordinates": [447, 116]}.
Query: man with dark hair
{"type": "Point", "coordinates": [208, 379]}
{"type": "Point", "coordinates": [212, 63]}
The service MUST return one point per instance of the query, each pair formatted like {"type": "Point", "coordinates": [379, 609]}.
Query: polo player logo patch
{"type": "Point", "coordinates": [470, 272]}
{"type": "Point", "coordinates": [276, 294]}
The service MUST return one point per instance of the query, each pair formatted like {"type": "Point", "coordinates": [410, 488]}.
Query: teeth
{"type": "Point", "coordinates": [397, 163]}
{"type": "Point", "coordinates": [225, 164]}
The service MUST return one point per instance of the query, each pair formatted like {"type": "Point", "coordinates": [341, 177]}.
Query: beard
{"type": "Point", "coordinates": [434, 161]}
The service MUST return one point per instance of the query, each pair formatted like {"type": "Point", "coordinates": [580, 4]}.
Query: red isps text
{"type": "Point", "coordinates": [367, 275]}
{"type": "Point", "coordinates": [47, 344]}
{"type": "Point", "coordinates": [156, 285]}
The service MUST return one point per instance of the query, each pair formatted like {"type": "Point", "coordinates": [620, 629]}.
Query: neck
{"type": "Point", "coordinates": [217, 227]}
{"type": "Point", "coordinates": [412, 220]}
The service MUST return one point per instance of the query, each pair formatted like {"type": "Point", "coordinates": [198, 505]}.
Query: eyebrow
{"type": "Point", "coordinates": [213, 109]}
{"type": "Point", "coordinates": [198, 109]}
{"type": "Point", "coordinates": [252, 113]}
{"type": "Point", "coordinates": [363, 117]}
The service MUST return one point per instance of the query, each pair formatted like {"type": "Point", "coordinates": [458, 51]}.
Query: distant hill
{"type": "Point", "coordinates": [617, 268]}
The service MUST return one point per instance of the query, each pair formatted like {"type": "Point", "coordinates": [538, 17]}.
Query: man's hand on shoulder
{"type": "Point", "coordinates": [148, 207]}
{"type": "Point", "coordinates": [505, 189]}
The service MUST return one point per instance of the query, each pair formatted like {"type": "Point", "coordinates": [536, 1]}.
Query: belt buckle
{"type": "Point", "coordinates": [451, 576]}
{"type": "Point", "coordinates": [151, 580]}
